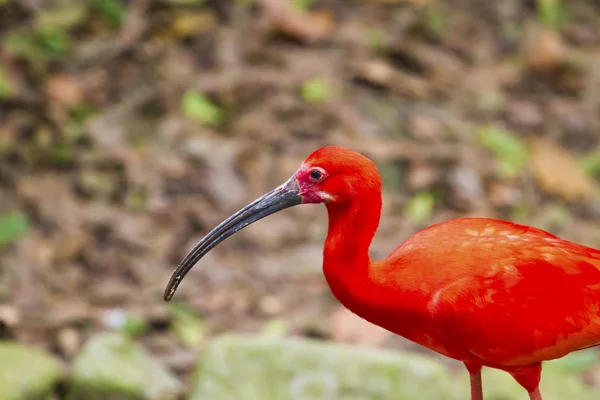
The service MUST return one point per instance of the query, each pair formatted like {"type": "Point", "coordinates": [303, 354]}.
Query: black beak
{"type": "Point", "coordinates": [286, 195]}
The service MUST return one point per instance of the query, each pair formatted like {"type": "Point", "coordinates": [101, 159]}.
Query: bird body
{"type": "Point", "coordinates": [505, 293]}
{"type": "Point", "coordinates": [488, 293]}
{"type": "Point", "coordinates": [482, 291]}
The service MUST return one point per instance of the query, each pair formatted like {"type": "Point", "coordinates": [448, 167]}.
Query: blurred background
{"type": "Point", "coordinates": [130, 128]}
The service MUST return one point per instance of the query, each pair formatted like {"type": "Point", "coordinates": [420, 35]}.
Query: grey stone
{"type": "Point", "coordinates": [262, 368]}
{"type": "Point", "coordinates": [259, 368]}
{"type": "Point", "coordinates": [112, 367]}
{"type": "Point", "coordinates": [27, 373]}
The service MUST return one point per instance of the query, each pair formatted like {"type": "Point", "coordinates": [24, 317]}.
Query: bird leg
{"type": "Point", "coordinates": [476, 385]}
{"type": "Point", "coordinates": [535, 395]}
{"type": "Point", "coordinates": [528, 376]}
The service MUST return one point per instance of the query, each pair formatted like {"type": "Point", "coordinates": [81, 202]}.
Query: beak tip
{"type": "Point", "coordinates": [171, 288]}
{"type": "Point", "coordinates": [285, 196]}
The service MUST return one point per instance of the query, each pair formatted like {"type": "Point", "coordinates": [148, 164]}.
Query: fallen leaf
{"type": "Point", "coordinates": [420, 207]}
{"type": "Point", "coordinates": [308, 27]}
{"type": "Point", "coordinates": [12, 227]}
{"type": "Point", "coordinates": [507, 147]}
{"type": "Point", "coordinates": [315, 90]}
{"type": "Point", "coordinates": [421, 177]}
{"type": "Point", "coordinates": [424, 127]}
{"type": "Point", "coordinates": [377, 71]}
{"type": "Point", "coordinates": [68, 341]}
{"type": "Point", "coordinates": [196, 105]}
{"type": "Point", "coordinates": [187, 24]}
{"type": "Point", "coordinates": [544, 49]}
{"type": "Point", "coordinates": [65, 89]}
{"type": "Point", "coordinates": [557, 172]}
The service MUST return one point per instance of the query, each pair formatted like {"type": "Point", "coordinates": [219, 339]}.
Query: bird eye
{"type": "Point", "coordinates": [316, 175]}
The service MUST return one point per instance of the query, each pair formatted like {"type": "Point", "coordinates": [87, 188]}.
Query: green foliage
{"type": "Point", "coordinates": [134, 326]}
{"type": "Point", "coordinates": [275, 329]}
{"type": "Point", "coordinates": [552, 13]}
{"type": "Point", "coordinates": [376, 40]}
{"type": "Point", "coordinates": [12, 227]}
{"type": "Point", "coordinates": [591, 164]}
{"type": "Point", "coordinates": [62, 18]}
{"type": "Point", "coordinates": [436, 19]}
{"type": "Point", "coordinates": [113, 10]}
{"type": "Point", "coordinates": [421, 206]}
{"type": "Point", "coordinates": [511, 152]}
{"type": "Point", "coordinates": [301, 5]}
{"type": "Point", "coordinates": [6, 90]}
{"type": "Point", "coordinates": [44, 44]}
{"type": "Point", "coordinates": [78, 116]}
{"type": "Point", "coordinates": [315, 90]}
{"type": "Point", "coordinates": [62, 153]}
{"type": "Point", "coordinates": [196, 105]}
{"type": "Point", "coordinates": [136, 200]}
{"type": "Point", "coordinates": [188, 327]}
{"type": "Point", "coordinates": [82, 112]}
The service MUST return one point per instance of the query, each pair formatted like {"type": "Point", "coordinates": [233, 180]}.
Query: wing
{"type": "Point", "coordinates": [521, 297]}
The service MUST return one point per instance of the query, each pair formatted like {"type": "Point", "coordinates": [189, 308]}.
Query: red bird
{"type": "Point", "coordinates": [482, 291]}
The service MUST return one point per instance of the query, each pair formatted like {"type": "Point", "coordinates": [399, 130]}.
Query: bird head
{"type": "Point", "coordinates": [332, 175]}
{"type": "Point", "coordinates": [335, 175]}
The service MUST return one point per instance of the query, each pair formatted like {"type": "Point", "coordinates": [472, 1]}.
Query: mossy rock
{"type": "Point", "coordinates": [27, 373]}
{"type": "Point", "coordinates": [113, 367]}
{"type": "Point", "coordinates": [261, 368]}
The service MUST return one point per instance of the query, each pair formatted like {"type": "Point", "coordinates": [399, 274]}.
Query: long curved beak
{"type": "Point", "coordinates": [286, 195]}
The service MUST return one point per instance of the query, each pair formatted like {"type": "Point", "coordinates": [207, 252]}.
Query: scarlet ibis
{"type": "Point", "coordinates": [483, 291]}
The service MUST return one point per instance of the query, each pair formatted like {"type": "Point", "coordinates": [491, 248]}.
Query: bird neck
{"type": "Point", "coordinates": [352, 226]}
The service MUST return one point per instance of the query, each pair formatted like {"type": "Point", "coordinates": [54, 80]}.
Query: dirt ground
{"type": "Point", "coordinates": [128, 129]}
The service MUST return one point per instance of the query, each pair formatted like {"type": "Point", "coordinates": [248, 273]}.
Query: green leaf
{"type": "Point", "coordinates": [421, 206]}
{"type": "Point", "coordinates": [591, 164]}
{"type": "Point", "coordinates": [136, 199]}
{"type": "Point", "coordinates": [23, 45]}
{"type": "Point", "coordinates": [315, 90]}
{"type": "Point", "coordinates": [187, 325]}
{"type": "Point", "coordinates": [62, 154]}
{"type": "Point", "coordinates": [62, 18]}
{"type": "Point", "coordinates": [301, 5]}
{"type": "Point", "coordinates": [12, 227]}
{"type": "Point", "coordinates": [508, 148]}
{"type": "Point", "coordinates": [436, 19]}
{"type": "Point", "coordinates": [39, 45]}
{"type": "Point", "coordinates": [376, 39]}
{"type": "Point", "coordinates": [82, 112]}
{"type": "Point", "coordinates": [134, 326]}
{"type": "Point", "coordinates": [275, 329]}
{"type": "Point", "coordinates": [197, 105]}
{"type": "Point", "coordinates": [552, 13]}
{"type": "Point", "coordinates": [113, 10]}
{"type": "Point", "coordinates": [55, 41]}
{"type": "Point", "coordinates": [6, 90]}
